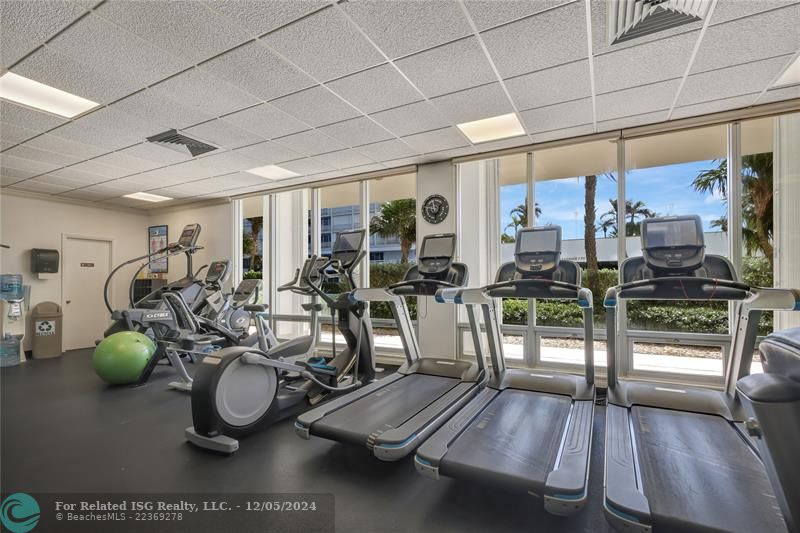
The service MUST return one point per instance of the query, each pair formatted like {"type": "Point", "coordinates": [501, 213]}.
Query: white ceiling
{"type": "Point", "coordinates": [332, 89]}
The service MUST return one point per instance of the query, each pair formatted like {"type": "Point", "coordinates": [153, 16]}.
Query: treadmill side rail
{"type": "Point", "coordinates": [397, 443]}
{"type": "Point", "coordinates": [566, 486]}
{"type": "Point", "coordinates": [430, 453]}
{"type": "Point", "coordinates": [306, 420]}
{"type": "Point", "coordinates": [625, 504]}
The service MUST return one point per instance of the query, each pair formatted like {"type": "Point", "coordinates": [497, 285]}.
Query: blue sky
{"type": "Point", "coordinates": [666, 190]}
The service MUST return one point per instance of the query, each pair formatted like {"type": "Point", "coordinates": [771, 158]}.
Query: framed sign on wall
{"type": "Point", "coordinates": [158, 238]}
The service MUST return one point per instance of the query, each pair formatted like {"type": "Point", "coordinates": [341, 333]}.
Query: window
{"type": "Point", "coordinates": [574, 186]}
{"type": "Point", "coordinates": [680, 173]}
{"type": "Point", "coordinates": [393, 241]}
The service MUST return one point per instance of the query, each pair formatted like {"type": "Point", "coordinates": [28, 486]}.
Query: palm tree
{"type": "Point", "coordinates": [397, 218]}
{"type": "Point", "coordinates": [636, 210]}
{"type": "Point", "coordinates": [519, 219]}
{"type": "Point", "coordinates": [589, 217]}
{"type": "Point", "coordinates": [756, 199]}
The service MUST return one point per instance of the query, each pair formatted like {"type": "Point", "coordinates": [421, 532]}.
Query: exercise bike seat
{"type": "Point", "coordinates": [292, 348]}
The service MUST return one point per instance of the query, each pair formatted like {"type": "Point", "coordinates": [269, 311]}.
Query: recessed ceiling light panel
{"type": "Point", "coordinates": [492, 128]}
{"type": "Point", "coordinates": [20, 90]}
{"type": "Point", "coordinates": [791, 75]}
{"type": "Point", "coordinates": [273, 172]}
{"type": "Point", "coordinates": [147, 197]}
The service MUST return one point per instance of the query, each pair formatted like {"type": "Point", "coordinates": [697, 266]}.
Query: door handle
{"type": "Point", "coordinates": [69, 301]}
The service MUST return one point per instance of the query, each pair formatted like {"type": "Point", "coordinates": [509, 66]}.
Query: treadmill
{"type": "Point", "coordinates": [392, 416]}
{"type": "Point", "coordinates": [679, 458]}
{"type": "Point", "coordinates": [529, 430]}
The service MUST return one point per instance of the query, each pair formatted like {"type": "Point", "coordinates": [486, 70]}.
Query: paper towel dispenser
{"type": "Point", "coordinates": [44, 261]}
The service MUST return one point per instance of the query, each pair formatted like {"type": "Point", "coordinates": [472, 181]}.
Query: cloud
{"type": "Point", "coordinates": [714, 198]}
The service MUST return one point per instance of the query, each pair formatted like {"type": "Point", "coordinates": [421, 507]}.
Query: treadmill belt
{"type": "Point", "coordinates": [514, 440]}
{"type": "Point", "coordinates": [386, 408]}
{"type": "Point", "coordinates": [699, 473]}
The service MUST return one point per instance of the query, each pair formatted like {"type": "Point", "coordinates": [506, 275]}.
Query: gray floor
{"type": "Point", "coordinates": [64, 431]}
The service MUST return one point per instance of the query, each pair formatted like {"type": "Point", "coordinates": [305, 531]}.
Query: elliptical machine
{"type": "Point", "coordinates": [239, 390]}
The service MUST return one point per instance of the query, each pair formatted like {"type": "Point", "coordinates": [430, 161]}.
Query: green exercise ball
{"type": "Point", "coordinates": [122, 357]}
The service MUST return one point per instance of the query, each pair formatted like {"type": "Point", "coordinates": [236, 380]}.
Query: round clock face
{"type": "Point", "coordinates": [435, 208]}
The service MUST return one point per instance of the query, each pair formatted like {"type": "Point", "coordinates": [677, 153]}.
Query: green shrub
{"type": "Point", "coordinates": [757, 272]}
{"type": "Point", "coordinates": [515, 311]}
{"type": "Point", "coordinates": [382, 275]}
{"type": "Point", "coordinates": [253, 274]}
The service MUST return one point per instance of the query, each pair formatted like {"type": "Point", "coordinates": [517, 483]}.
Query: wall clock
{"type": "Point", "coordinates": [435, 209]}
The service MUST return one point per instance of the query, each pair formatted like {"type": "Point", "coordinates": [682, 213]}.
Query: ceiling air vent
{"type": "Point", "coordinates": [630, 19]}
{"type": "Point", "coordinates": [174, 140]}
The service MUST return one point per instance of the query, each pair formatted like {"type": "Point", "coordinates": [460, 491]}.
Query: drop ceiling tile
{"type": "Point", "coordinates": [79, 175]}
{"type": "Point", "coordinates": [116, 51]}
{"type": "Point", "coordinates": [551, 86]}
{"type": "Point", "coordinates": [12, 134]}
{"type": "Point", "coordinates": [558, 116]}
{"type": "Point", "coordinates": [91, 136]}
{"type": "Point", "coordinates": [40, 187]}
{"type": "Point", "coordinates": [636, 101]}
{"type": "Point", "coordinates": [354, 171]}
{"type": "Point", "coordinates": [779, 94]}
{"type": "Point", "coordinates": [376, 89]}
{"type": "Point", "coordinates": [725, 11]}
{"type": "Point", "coordinates": [325, 45]}
{"type": "Point", "coordinates": [715, 106]}
{"type": "Point", "coordinates": [356, 132]}
{"type": "Point", "coordinates": [4, 144]}
{"type": "Point", "coordinates": [564, 133]}
{"type": "Point", "coordinates": [731, 81]}
{"type": "Point", "coordinates": [26, 165]}
{"type": "Point", "coordinates": [258, 17]}
{"type": "Point", "coordinates": [448, 68]}
{"type": "Point", "coordinates": [265, 121]}
{"type": "Point", "coordinates": [125, 160]}
{"type": "Point", "coordinates": [750, 39]}
{"type": "Point", "coordinates": [386, 150]}
{"type": "Point", "coordinates": [474, 104]}
{"type": "Point", "coordinates": [413, 118]}
{"type": "Point", "coordinates": [646, 63]}
{"type": "Point", "coordinates": [11, 175]}
{"type": "Point", "coordinates": [59, 71]}
{"type": "Point", "coordinates": [489, 13]}
{"type": "Point", "coordinates": [201, 91]}
{"type": "Point", "coordinates": [316, 106]}
{"type": "Point", "coordinates": [160, 112]}
{"type": "Point", "coordinates": [70, 183]}
{"type": "Point", "coordinates": [35, 154]}
{"type": "Point", "coordinates": [268, 153]}
{"type": "Point", "coordinates": [155, 153]}
{"type": "Point", "coordinates": [100, 169]}
{"type": "Point", "coordinates": [25, 25]}
{"type": "Point", "coordinates": [258, 71]}
{"type": "Point", "coordinates": [311, 142]}
{"type": "Point", "coordinates": [402, 28]}
{"type": "Point", "coordinates": [307, 166]}
{"type": "Point", "coordinates": [632, 121]}
{"type": "Point", "coordinates": [154, 178]}
{"type": "Point", "coordinates": [221, 133]}
{"type": "Point", "coordinates": [28, 118]}
{"type": "Point", "coordinates": [550, 38]}
{"type": "Point", "coordinates": [344, 159]}
{"type": "Point", "coordinates": [76, 150]}
{"type": "Point", "coordinates": [434, 141]}
{"type": "Point", "coordinates": [89, 196]}
{"type": "Point", "coordinates": [600, 39]}
{"type": "Point", "coordinates": [227, 162]}
{"type": "Point", "coordinates": [238, 180]}
{"type": "Point", "coordinates": [186, 28]}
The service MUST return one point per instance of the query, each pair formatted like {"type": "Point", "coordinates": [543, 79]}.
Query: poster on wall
{"type": "Point", "coordinates": [158, 239]}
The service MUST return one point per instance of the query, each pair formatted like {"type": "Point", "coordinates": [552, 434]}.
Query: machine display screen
{"type": "Point", "coordinates": [672, 233]}
{"type": "Point", "coordinates": [438, 247]}
{"type": "Point", "coordinates": [187, 235]}
{"type": "Point", "coordinates": [537, 241]}
{"type": "Point", "coordinates": [348, 242]}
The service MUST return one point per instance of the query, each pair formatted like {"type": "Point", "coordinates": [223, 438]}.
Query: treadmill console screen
{"type": "Point", "coordinates": [436, 253]}
{"type": "Point", "coordinates": [244, 291]}
{"type": "Point", "coordinates": [673, 243]}
{"type": "Point", "coordinates": [538, 250]}
{"type": "Point", "coordinates": [347, 246]}
{"type": "Point", "coordinates": [189, 235]}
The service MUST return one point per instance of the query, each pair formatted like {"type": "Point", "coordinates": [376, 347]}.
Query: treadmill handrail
{"type": "Point", "coordinates": [402, 317]}
{"type": "Point", "coordinates": [712, 288]}
{"type": "Point", "coordinates": [532, 284]}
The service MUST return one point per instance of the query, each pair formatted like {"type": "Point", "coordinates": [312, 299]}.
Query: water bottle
{"type": "Point", "coordinates": [9, 351]}
{"type": "Point", "coordinates": [11, 287]}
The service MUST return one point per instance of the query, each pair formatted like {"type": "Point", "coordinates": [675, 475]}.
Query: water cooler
{"type": "Point", "coordinates": [13, 310]}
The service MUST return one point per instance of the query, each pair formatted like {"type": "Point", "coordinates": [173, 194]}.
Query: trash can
{"type": "Point", "coordinates": [46, 318]}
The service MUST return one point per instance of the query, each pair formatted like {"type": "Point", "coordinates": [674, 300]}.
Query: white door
{"type": "Point", "coordinates": [86, 264]}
